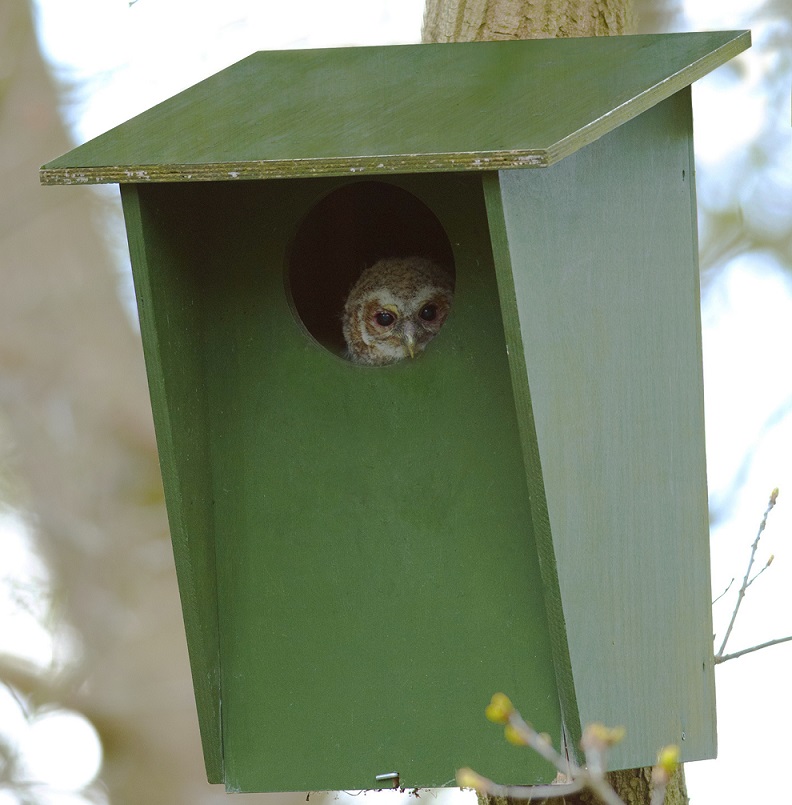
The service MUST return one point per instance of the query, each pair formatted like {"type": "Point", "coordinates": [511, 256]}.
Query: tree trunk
{"type": "Point", "coordinates": [469, 20]}
{"type": "Point", "coordinates": [632, 785]}
{"type": "Point", "coordinates": [476, 20]}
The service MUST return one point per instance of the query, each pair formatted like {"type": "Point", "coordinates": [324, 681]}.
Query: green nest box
{"type": "Point", "coordinates": [366, 554]}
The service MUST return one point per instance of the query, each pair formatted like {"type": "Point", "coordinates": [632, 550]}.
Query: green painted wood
{"type": "Point", "coordinates": [543, 533]}
{"type": "Point", "coordinates": [168, 292]}
{"type": "Point", "coordinates": [377, 574]}
{"type": "Point", "coordinates": [365, 555]}
{"type": "Point", "coordinates": [597, 264]}
{"type": "Point", "coordinates": [474, 106]}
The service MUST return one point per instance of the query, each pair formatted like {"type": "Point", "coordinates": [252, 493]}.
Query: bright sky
{"type": "Point", "coordinates": [132, 56]}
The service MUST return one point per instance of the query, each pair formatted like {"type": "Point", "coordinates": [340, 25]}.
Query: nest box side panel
{"type": "Point", "coordinates": [597, 263]}
{"type": "Point", "coordinates": [168, 296]}
{"type": "Point", "coordinates": [378, 577]}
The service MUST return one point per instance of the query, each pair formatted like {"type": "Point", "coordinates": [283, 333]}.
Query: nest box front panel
{"type": "Point", "coordinates": [376, 574]}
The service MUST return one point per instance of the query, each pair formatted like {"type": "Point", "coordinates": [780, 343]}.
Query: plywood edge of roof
{"type": "Point", "coordinates": [478, 106]}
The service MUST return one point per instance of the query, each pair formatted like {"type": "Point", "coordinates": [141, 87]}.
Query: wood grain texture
{"type": "Point", "coordinates": [471, 106]}
{"type": "Point", "coordinates": [597, 259]}
{"type": "Point", "coordinates": [169, 306]}
{"type": "Point", "coordinates": [535, 482]}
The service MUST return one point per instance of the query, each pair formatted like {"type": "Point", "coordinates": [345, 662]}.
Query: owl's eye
{"type": "Point", "coordinates": [428, 312]}
{"type": "Point", "coordinates": [384, 318]}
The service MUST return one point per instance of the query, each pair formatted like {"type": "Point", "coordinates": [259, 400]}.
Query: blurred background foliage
{"type": "Point", "coordinates": [93, 659]}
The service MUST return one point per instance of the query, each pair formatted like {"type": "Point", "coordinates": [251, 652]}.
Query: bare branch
{"type": "Point", "coordinates": [723, 657]}
{"type": "Point", "coordinates": [747, 581]}
{"type": "Point", "coordinates": [596, 741]}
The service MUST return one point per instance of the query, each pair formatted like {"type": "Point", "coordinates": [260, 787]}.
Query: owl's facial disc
{"type": "Point", "coordinates": [390, 324]}
{"type": "Point", "coordinates": [395, 309]}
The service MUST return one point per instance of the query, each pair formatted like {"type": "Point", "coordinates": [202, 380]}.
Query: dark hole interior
{"type": "Point", "coordinates": [347, 231]}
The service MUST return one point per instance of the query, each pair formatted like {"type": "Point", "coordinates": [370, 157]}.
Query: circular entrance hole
{"type": "Point", "coordinates": [347, 231]}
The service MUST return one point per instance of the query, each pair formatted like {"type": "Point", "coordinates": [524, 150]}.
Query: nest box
{"type": "Point", "coordinates": [366, 554]}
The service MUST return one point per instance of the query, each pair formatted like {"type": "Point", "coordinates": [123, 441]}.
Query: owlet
{"type": "Point", "coordinates": [395, 309]}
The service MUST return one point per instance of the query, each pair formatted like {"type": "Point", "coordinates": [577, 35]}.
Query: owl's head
{"type": "Point", "coordinates": [395, 309]}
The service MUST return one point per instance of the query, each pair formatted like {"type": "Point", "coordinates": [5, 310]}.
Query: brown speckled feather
{"type": "Point", "coordinates": [395, 309]}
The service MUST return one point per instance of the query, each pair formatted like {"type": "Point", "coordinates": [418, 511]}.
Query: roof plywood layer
{"type": "Point", "coordinates": [398, 109]}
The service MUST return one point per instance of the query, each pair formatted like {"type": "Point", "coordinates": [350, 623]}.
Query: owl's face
{"type": "Point", "coordinates": [395, 309]}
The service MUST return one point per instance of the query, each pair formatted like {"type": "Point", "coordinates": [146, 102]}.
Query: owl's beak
{"type": "Point", "coordinates": [409, 341]}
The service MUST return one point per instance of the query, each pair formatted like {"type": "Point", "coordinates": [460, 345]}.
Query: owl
{"type": "Point", "coordinates": [395, 309]}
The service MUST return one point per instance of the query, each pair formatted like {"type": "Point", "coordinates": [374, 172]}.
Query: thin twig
{"type": "Point", "coordinates": [539, 743]}
{"type": "Point", "coordinates": [728, 587]}
{"type": "Point", "coordinates": [595, 742]}
{"type": "Point", "coordinates": [755, 577]}
{"type": "Point", "coordinates": [723, 657]}
{"type": "Point", "coordinates": [658, 795]}
{"type": "Point", "coordinates": [746, 582]}
{"type": "Point", "coordinates": [604, 791]}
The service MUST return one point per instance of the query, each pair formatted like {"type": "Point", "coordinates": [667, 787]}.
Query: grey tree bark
{"type": "Point", "coordinates": [476, 20]}
{"type": "Point", "coordinates": [469, 20]}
